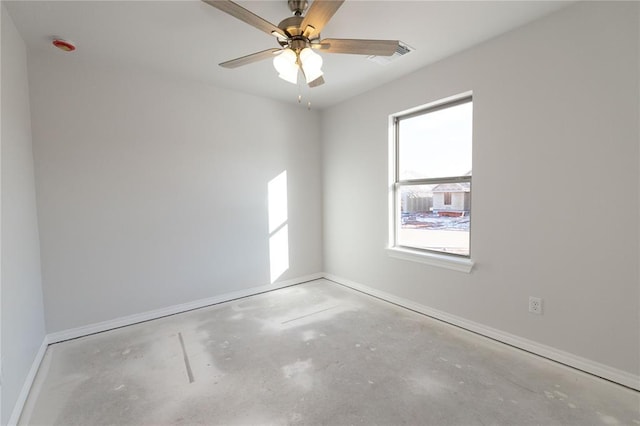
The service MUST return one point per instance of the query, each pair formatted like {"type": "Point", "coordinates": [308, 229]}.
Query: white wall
{"type": "Point", "coordinates": [22, 319]}
{"type": "Point", "coordinates": [152, 191]}
{"type": "Point", "coordinates": [555, 133]}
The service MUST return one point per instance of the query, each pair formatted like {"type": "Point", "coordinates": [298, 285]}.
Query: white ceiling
{"type": "Point", "coordinates": [189, 38]}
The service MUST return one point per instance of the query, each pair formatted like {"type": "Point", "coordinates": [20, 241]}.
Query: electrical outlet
{"type": "Point", "coordinates": [535, 305]}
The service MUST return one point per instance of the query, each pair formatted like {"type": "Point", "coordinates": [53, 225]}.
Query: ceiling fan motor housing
{"type": "Point", "coordinates": [297, 39]}
{"type": "Point", "coordinates": [291, 25]}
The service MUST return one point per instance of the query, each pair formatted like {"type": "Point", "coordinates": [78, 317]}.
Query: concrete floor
{"type": "Point", "coordinates": [316, 353]}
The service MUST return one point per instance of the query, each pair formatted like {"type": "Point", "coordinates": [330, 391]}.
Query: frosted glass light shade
{"type": "Point", "coordinates": [311, 64]}
{"type": "Point", "coordinates": [285, 64]}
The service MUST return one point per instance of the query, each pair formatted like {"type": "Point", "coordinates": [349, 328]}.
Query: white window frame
{"type": "Point", "coordinates": [434, 258]}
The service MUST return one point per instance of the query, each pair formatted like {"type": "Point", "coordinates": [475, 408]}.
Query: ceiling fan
{"type": "Point", "coordinates": [298, 37]}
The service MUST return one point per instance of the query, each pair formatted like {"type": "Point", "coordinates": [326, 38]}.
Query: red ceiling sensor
{"type": "Point", "coordinates": [67, 46]}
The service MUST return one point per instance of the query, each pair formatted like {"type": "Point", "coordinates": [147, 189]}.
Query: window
{"type": "Point", "coordinates": [431, 202]}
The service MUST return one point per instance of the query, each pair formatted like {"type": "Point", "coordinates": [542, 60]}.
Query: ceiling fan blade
{"type": "Point", "coordinates": [254, 57]}
{"type": "Point", "coordinates": [245, 15]}
{"type": "Point", "coordinates": [317, 82]}
{"type": "Point", "coordinates": [319, 14]}
{"type": "Point", "coordinates": [359, 47]}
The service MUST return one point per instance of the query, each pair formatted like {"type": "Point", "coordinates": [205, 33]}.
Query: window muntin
{"type": "Point", "coordinates": [432, 185]}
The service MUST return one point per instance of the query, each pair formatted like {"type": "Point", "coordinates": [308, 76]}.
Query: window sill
{"type": "Point", "coordinates": [433, 259]}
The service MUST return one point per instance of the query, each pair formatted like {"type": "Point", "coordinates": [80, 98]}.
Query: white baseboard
{"type": "Point", "coordinates": [28, 382]}
{"type": "Point", "coordinates": [171, 310]}
{"type": "Point", "coordinates": [134, 319]}
{"type": "Point", "coordinates": [592, 367]}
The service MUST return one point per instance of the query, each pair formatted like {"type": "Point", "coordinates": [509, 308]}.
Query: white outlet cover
{"type": "Point", "coordinates": [535, 305]}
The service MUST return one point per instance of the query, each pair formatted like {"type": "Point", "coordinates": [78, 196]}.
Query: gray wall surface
{"type": "Point", "coordinates": [555, 106]}
{"type": "Point", "coordinates": [22, 318]}
{"type": "Point", "coordinates": [152, 191]}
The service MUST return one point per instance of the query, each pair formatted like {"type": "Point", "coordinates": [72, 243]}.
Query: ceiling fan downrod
{"type": "Point", "coordinates": [298, 6]}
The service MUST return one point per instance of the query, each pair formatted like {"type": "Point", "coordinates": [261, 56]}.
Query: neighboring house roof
{"type": "Point", "coordinates": [453, 187]}
{"type": "Point", "coordinates": [418, 194]}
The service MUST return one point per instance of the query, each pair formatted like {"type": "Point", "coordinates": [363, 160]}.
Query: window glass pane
{"type": "Point", "coordinates": [436, 144]}
{"type": "Point", "coordinates": [428, 222]}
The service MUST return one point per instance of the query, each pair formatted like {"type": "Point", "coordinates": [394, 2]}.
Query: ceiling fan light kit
{"type": "Point", "coordinates": [311, 64]}
{"type": "Point", "coordinates": [297, 35]}
{"type": "Point", "coordinates": [286, 63]}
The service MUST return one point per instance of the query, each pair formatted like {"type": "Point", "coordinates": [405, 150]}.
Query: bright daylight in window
{"type": "Point", "coordinates": [432, 188]}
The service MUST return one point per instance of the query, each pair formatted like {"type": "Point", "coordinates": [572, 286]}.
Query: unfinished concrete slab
{"type": "Point", "coordinates": [316, 353]}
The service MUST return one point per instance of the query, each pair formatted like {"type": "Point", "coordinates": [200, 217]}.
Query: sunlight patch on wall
{"type": "Point", "coordinates": [279, 252]}
{"type": "Point", "coordinates": [278, 228]}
